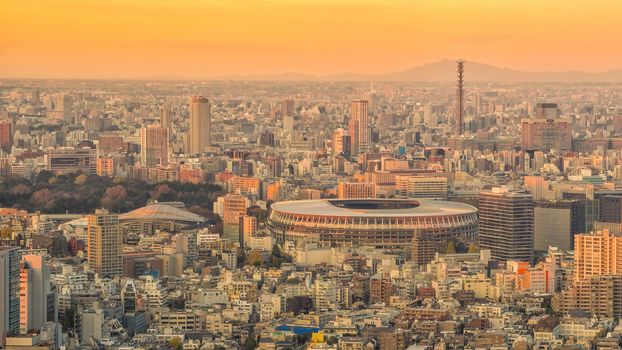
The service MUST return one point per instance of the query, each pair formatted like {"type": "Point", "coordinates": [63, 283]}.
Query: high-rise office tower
{"type": "Point", "coordinates": [65, 106]}
{"type": "Point", "coordinates": [546, 110]}
{"type": "Point", "coordinates": [506, 224]}
{"type": "Point", "coordinates": [9, 291]}
{"type": "Point", "coordinates": [6, 135]}
{"type": "Point", "coordinates": [232, 207]}
{"type": "Point", "coordinates": [105, 243]}
{"type": "Point", "coordinates": [36, 97]}
{"type": "Point", "coordinates": [288, 124]}
{"type": "Point", "coordinates": [459, 112]}
{"type": "Point", "coordinates": [153, 146]}
{"type": "Point", "coordinates": [610, 209]}
{"type": "Point", "coordinates": [358, 127]}
{"type": "Point", "coordinates": [200, 125]}
{"type": "Point", "coordinates": [34, 291]}
{"type": "Point", "coordinates": [165, 119]}
{"type": "Point", "coordinates": [557, 222]}
{"type": "Point", "coordinates": [340, 142]}
{"type": "Point", "coordinates": [248, 228]}
{"type": "Point", "coordinates": [545, 134]}
{"type": "Point", "coordinates": [288, 108]}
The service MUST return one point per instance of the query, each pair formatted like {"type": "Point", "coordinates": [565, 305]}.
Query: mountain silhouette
{"type": "Point", "coordinates": [445, 70]}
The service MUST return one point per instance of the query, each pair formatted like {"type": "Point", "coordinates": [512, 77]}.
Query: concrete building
{"type": "Point", "coordinates": [597, 253]}
{"type": "Point", "coordinates": [556, 223]}
{"type": "Point", "coordinates": [421, 187]}
{"type": "Point", "coordinates": [545, 134]}
{"type": "Point", "coordinates": [248, 228]}
{"type": "Point", "coordinates": [232, 207]}
{"type": "Point", "coordinates": [105, 243]}
{"type": "Point", "coordinates": [340, 142]}
{"type": "Point", "coordinates": [67, 160]}
{"type": "Point", "coordinates": [9, 292]}
{"type": "Point", "coordinates": [288, 107]}
{"type": "Point", "coordinates": [547, 110]}
{"type": "Point", "coordinates": [199, 135]}
{"type": "Point", "coordinates": [506, 224]}
{"type": "Point", "coordinates": [34, 292]}
{"type": "Point", "coordinates": [359, 127]}
{"type": "Point", "coordinates": [154, 146]}
{"type": "Point", "coordinates": [6, 135]}
{"type": "Point", "coordinates": [610, 209]}
{"type": "Point", "coordinates": [350, 190]}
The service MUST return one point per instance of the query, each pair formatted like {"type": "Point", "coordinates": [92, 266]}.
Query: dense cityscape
{"type": "Point", "coordinates": [310, 215]}
{"type": "Point", "coordinates": [310, 175]}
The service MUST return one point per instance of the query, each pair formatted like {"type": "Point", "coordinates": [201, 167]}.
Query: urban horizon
{"type": "Point", "coordinates": [212, 175]}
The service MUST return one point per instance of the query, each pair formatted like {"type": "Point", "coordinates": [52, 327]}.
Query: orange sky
{"type": "Point", "coordinates": [202, 38]}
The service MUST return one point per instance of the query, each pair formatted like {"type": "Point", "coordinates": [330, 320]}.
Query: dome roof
{"type": "Point", "coordinates": [161, 212]}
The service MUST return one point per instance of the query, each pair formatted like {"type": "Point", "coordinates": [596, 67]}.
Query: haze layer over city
{"type": "Point", "coordinates": [310, 175]}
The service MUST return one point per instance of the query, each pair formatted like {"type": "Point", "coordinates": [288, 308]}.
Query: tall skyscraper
{"type": "Point", "coordinates": [200, 125]}
{"type": "Point", "coordinates": [36, 97]}
{"type": "Point", "coordinates": [6, 135]}
{"type": "Point", "coordinates": [506, 224]}
{"type": "Point", "coordinates": [358, 127]}
{"type": "Point", "coordinates": [65, 106]}
{"type": "Point", "coordinates": [165, 119]}
{"type": "Point", "coordinates": [9, 291]}
{"type": "Point", "coordinates": [154, 146]}
{"type": "Point", "coordinates": [34, 291]}
{"type": "Point", "coordinates": [459, 112]}
{"type": "Point", "coordinates": [105, 243]}
{"type": "Point", "coordinates": [288, 108]}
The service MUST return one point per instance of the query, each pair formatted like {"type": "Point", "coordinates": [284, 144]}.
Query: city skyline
{"type": "Point", "coordinates": [207, 39]}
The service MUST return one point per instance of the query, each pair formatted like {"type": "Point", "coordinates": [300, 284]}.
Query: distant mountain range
{"type": "Point", "coordinates": [445, 70]}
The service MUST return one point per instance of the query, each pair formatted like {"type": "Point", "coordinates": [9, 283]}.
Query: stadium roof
{"type": "Point", "coordinates": [161, 212]}
{"type": "Point", "coordinates": [373, 207]}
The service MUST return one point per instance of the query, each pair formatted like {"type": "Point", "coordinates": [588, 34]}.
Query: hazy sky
{"type": "Point", "coordinates": [202, 38]}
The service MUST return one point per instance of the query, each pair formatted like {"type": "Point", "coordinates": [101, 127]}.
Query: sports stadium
{"type": "Point", "coordinates": [388, 224]}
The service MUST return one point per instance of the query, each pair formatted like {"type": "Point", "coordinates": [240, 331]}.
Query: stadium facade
{"type": "Point", "coordinates": [388, 224]}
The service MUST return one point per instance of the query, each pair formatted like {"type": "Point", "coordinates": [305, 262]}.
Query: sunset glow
{"type": "Point", "coordinates": [196, 39]}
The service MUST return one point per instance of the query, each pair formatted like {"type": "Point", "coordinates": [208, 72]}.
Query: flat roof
{"type": "Point", "coordinates": [373, 207]}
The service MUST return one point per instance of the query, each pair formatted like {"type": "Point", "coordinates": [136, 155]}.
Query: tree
{"type": "Point", "coordinates": [473, 248]}
{"type": "Point", "coordinates": [5, 232]}
{"type": "Point", "coordinates": [81, 179]}
{"type": "Point", "coordinates": [260, 214]}
{"type": "Point", "coordinates": [175, 343]}
{"type": "Point", "coordinates": [113, 197]}
{"type": "Point", "coordinates": [249, 344]}
{"type": "Point", "coordinates": [42, 198]}
{"type": "Point", "coordinates": [451, 248]}
{"type": "Point", "coordinates": [255, 258]}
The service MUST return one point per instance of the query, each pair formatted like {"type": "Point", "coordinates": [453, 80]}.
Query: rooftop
{"type": "Point", "coordinates": [373, 207]}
